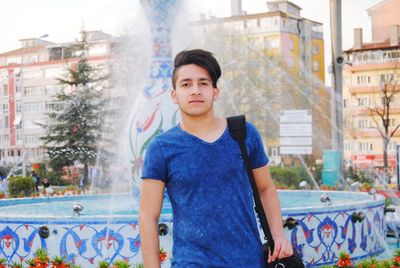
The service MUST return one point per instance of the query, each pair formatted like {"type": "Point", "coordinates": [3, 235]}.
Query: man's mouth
{"type": "Point", "coordinates": [196, 101]}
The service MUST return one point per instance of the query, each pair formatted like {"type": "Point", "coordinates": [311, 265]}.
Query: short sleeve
{"type": "Point", "coordinates": [154, 166]}
{"type": "Point", "coordinates": [258, 157]}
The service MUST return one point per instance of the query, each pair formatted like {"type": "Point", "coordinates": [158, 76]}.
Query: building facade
{"type": "Point", "coordinates": [282, 33]}
{"type": "Point", "coordinates": [373, 68]}
{"type": "Point", "coordinates": [28, 82]}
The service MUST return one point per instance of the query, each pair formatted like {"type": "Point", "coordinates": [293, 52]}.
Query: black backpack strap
{"type": "Point", "coordinates": [237, 130]}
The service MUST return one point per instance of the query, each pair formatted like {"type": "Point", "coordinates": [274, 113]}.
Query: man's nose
{"type": "Point", "coordinates": [195, 90]}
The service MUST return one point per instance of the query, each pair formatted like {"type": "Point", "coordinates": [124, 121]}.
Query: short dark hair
{"type": "Point", "coordinates": [198, 57]}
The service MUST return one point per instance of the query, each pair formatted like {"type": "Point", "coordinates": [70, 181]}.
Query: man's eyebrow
{"type": "Point", "coordinates": [185, 80]}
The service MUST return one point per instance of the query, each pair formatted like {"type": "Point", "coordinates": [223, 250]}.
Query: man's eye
{"type": "Point", "coordinates": [185, 85]}
{"type": "Point", "coordinates": [204, 83]}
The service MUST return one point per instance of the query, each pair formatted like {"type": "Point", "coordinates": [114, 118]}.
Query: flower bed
{"type": "Point", "coordinates": [345, 262]}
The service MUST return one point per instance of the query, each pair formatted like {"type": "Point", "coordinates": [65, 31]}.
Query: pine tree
{"type": "Point", "coordinates": [74, 133]}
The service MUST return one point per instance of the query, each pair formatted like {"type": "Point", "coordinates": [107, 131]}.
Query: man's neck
{"type": "Point", "coordinates": [200, 125]}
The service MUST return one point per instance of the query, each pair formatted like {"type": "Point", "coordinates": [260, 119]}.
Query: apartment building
{"type": "Point", "coordinates": [283, 33]}
{"type": "Point", "coordinates": [28, 84]}
{"type": "Point", "coordinates": [372, 67]}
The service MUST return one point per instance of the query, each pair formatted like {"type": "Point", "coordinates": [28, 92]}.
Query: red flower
{"type": "Point", "coordinates": [344, 262]}
{"type": "Point", "coordinates": [163, 255]}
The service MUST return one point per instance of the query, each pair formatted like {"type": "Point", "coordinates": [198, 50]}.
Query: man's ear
{"type": "Point", "coordinates": [173, 96]}
{"type": "Point", "coordinates": [216, 93]}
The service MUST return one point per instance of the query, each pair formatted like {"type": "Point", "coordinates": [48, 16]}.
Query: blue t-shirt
{"type": "Point", "coordinates": [211, 197]}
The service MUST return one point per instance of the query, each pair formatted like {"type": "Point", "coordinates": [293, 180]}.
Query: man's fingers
{"type": "Point", "coordinates": [277, 251]}
{"type": "Point", "coordinates": [286, 250]}
{"type": "Point", "coordinates": [269, 256]}
{"type": "Point", "coordinates": [283, 249]}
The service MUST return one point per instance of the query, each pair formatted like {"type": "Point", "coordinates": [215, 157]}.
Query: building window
{"type": "Point", "coordinates": [34, 91]}
{"type": "Point", "coordinates": [53, 89]}
{"type": "Point", "coordinates": [18, 106]}
{"type": "Point", "coordinates": [394, 55]}
{"type": "Point", "coordinates": [347, 123]}
{"type": "Point", "coordinates": [5, 108]}
{"type": "Point", "coordinates": [32, 139]}
{"type": "Point", "coordinates": [271, 42]}
{"type": "Point", "coordinates": [315, 66]}
{"type": "Point", "coordinates": [6, 122]}
{"type": "Point", "coordinates": [345, 103]}
{"type": "Point", "coordinates": [291, 44]}
{"type": "Point", "coordinates": [19, 135]}
{"type": "Point", "coordinates": [273, 151]}
{"type": "Point", "coordinates": [347, 147]}
{"type": "Point", "coordinates": [392, 146]}
{"type": "Point", "coordinates": [363, 79]}
{"type": "Point", "coordinates": [34, 107]}
{"type": "Point", "coordinates": [53, 106]}
{"type": "Point", "coordinates": [363, 102]}
{"type": "Point", "coordinates": [315, 49]}
{"type": "Point", "coordinates": [34, 58]}
{"type": "Point", "coordinates": [392, 122]}
{"type": "Point", "coordinates": [365, 147]}
{"type": "Point", "coordinates": [386, 77]}
{"type": "Point", "coordinates": [5, 90]}
{"type": "Point", "coordinates": [364, 123]}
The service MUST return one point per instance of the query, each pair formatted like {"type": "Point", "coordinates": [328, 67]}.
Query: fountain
{"type": "Point", "coordinates": [353, 222]}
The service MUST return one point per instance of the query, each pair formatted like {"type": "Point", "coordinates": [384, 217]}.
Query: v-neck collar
{"type": "Point", "coordinates": [202, 140]}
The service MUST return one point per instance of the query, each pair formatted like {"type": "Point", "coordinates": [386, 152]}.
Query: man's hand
{"type": "Point", "coordinates": [282, 249]}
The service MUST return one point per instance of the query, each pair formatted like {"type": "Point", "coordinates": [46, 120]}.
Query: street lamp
{"type": "Point", "coordinates": [21, 89]}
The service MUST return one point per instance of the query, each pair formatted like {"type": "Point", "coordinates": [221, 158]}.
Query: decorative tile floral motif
{"type": "Point", "coordinates": [155, 112]}
{"type": "Point", "coordinates": [85, 244]}
{"type": "Point", "coordinates": [318, 237]}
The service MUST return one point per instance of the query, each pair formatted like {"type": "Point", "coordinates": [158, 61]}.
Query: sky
{"type": "Point", "coordinates": [63, 19]}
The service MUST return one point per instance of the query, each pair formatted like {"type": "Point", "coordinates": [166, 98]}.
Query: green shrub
{"type": "Point", "coordinates": [363, 176]}
{"type": "Point", "coordinates": [317, 172]}
{"type": "Point", "coordinates": [104, 264]}
{"type": "Point", "coordinates": [290, 176]}
{"type": "Point", "coordinates": [54, 178]}
{"type": "Point", "coordinates": [121, 264]}
{"type": "Point", "coordinates": [21, 185]}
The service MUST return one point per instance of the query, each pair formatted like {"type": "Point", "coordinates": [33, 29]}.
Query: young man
{"type": "Point", "coordinates": [201, 167]}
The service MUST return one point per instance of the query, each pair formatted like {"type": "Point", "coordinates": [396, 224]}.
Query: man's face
{"type": "Point", "coordinates": [194, 92]}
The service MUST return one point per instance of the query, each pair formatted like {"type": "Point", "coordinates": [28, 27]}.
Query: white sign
{"type": "Point", "coordinates": [295, 130]}
{"type": "Point", "coordinates": [295, 116]}
{"type": "Point", "coordinates": [295, 141]}
{"type": "Point", "coordinates": [296, 150]}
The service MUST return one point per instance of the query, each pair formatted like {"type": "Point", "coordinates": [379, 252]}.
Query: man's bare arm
{"type": "Point", "coordinates": [270, 200]}
{"type": "Point", "coordinates": [151, 199]}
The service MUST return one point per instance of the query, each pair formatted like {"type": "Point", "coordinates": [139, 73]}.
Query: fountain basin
{"type": "Point", "coordinates": [103, 233]}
